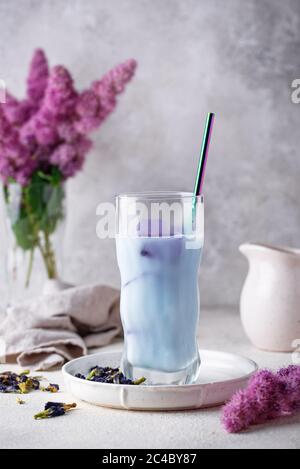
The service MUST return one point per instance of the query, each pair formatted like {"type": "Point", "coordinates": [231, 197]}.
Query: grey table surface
{"type": "Point", "coordinates": [95, 427]}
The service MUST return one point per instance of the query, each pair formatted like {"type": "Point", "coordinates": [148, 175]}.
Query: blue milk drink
{"type": "Point", "coordinates": [159, 295]}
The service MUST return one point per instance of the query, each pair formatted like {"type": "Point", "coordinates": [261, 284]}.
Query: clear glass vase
{"type": "Point", "coordinates": [33, 247]}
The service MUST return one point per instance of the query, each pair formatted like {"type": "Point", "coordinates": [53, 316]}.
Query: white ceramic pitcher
{"type": "Point", "coordinates": [270, 299]}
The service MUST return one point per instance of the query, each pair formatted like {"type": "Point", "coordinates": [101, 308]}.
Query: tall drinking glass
{"type": "Point", "coordinates": [159, 240]}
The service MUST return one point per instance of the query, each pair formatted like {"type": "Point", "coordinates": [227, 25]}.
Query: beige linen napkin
{"type": "Point", "coordinates": [51, 329]}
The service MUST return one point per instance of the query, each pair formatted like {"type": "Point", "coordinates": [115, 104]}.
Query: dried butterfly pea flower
{"type": "Point", "coordinates": [51, 388]}
{"type": "Point", "coordinates": [9, 382]}
{"type": "Point", "coordinates": [54, 409]}
{"type": "Point", "coordinates": [108, 375]}
{"type": "Point", "coordinates": [79, 375]}
{"type": "Point", "coordinates": [138, 381]}
{"type": "Point", "coordinates": [23, 388]}
{"type": "Point", "coordinates": [92, 374]}
{"type": "Point", "coordinates": [19, 401]}
{"type": "Point", "coordinates": [18, 383]}
{"type": "Point", "coordinates": [35, 383]}
{"type": "Point", "coordinates": [28, 385]}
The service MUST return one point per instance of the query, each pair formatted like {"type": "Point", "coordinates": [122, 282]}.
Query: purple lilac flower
{"type": "Point", "coordinates": [267, 396]}
{"type": "Point", "coordinates": [40, 130]}
{"type": "Point", "coordinates": [59, 102]}
{"type": "Point", "coordinates": [38, 77]}
{"type": "Point", "coordinates": [60, 97]}
{"type": "Point", "coordinates": [67, 132]}
{"type": "Point", "coordinates": [16, 112]}
{"type": "Point", "coordinates": [50, 126]}
{"type": "Point", "coordinates": [291, 376]}
{"type": "Point", "coordinates": [93, 111]}
{"type": "Point", "coordinates": [88, 104]}
{"type": "Point", "coordinates": [16, 161]}
{"type": "Point", "coordinates": [6, 130]}
{"type": "Point", "coordinates": [69, 157]}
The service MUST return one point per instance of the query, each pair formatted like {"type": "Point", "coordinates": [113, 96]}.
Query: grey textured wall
{"type": "Point", "coordinates": [236, 58]}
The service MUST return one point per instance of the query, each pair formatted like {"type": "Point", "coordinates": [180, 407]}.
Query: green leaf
{"type": "Point", "coordinates": [56, 176]}
{"type": "Point", "coordinates": [44, 200]}
{"type": "Point", "coordinates": [25, 237]}
{"type": "Point", "coordinates": [34, 194]}
{"type": "Point", "coordinates": [40, 208]}
{"type": "Point", "coordinates": [53, 212]}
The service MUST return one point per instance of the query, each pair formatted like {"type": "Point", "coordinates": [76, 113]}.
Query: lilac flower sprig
{"type": "Point", "coordinates": [44, 140]}
{"type": "Point", "coordinates": [268, 396]}
{"type": "Point", "coordinates": [50, 126]}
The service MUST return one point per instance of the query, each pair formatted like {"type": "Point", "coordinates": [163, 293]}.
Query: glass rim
{"type": "Point", "coordinates": [160, 195]}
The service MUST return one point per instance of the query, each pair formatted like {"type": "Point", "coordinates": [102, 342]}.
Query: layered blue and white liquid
{"type": "Point", "coordinates": [160, 307]}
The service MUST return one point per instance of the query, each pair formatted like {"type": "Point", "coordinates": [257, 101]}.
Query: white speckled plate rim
{"type": "Point", "coordinates": [161, 397]}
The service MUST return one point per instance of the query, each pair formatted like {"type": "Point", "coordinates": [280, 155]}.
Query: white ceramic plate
{"type": "Point", "coordinates": [221, 374]}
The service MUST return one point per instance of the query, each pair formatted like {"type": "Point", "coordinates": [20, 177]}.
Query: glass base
{"type": "Point", "coordinates": [186, 375]}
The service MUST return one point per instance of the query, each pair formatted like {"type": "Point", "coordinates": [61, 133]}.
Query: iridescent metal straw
{"type": "Point", "coordinates": [203, 154]}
